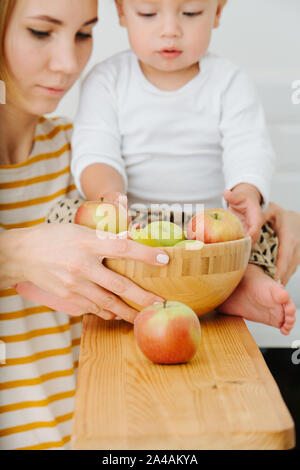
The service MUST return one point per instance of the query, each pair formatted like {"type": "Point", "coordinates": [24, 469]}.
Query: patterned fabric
{"type": "Point", "coordinates": [263, 254]}
{"type": "Point", "coordinates": [64, 211]}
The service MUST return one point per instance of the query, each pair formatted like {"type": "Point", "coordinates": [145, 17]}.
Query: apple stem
{"type": "Point", "coordinates": [165, 303]}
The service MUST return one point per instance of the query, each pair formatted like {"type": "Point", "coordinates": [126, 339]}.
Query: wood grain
{"type": "Point", "coordinates": [224, 398]}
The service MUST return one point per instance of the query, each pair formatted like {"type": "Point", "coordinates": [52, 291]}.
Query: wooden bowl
{"type": "Point", "coordinates": [201, 278]}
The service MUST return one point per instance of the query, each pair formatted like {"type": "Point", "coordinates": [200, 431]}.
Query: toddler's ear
{"type": "Point", "coordinates": [119, 5]}
{"type": "Point", "coordinates": [221, 5]}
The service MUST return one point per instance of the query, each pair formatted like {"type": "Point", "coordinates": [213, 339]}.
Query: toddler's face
{"type": "Point", "coordinates": [169, 35]}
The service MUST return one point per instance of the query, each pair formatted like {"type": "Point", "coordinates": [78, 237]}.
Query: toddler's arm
{"type": "Point", "coordinates": [97, 163]}
{"type": "Point", "coordinates": [99, 179]}
{"type": "Point", "coordinates": [248, 156]}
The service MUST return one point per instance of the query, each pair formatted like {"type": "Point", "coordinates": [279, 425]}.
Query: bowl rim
{"type": "Point", "coordinates": [242, 240]}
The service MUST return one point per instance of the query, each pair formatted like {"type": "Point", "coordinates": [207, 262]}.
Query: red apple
{"type": "Point", "coordinates": [103, 216]}
{"type": "Point", "coordinates": [215, 225]}
{"type": "Point", "coordinates": [168, 332]}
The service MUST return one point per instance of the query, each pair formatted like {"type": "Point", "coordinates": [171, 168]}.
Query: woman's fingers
{"type": "Point", "coordinates": [272, 214]}
{"type": "Point", "coordinates": [107, 247]}
{"type": "Point", "coordinates": [106, 301]}
{"type": "Point", "coordinates": [106, 315]}
{"type": "Point", "coordinates": [284, 273]}
{"type": "Point", "coordinates": [33, 293]}
{"type": "Point", "coordinates": [120, 286]}
{"type": "Point", "coordinates": [84, 302]}
{"type": "Point", "coordinates": [285, 263]}
{"type": "Point", "coordinates": [60, 271]}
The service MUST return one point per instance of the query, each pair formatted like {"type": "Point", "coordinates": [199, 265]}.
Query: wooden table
{"type": "Point", "coordinates": [224, 398]}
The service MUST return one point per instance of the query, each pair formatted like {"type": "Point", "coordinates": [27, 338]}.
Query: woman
{"type": "Point", "coordinates": [46, 46]}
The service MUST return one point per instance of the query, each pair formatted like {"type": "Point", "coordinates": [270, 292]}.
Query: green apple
{"type": "Point", "coordinates": [141, 236]}
{"type": "Point", "coordinates": [159, 233]}
{"type": "Point", "coordinates": [165, 232]}
{"type": "Point", "coordinates": [191, 244]}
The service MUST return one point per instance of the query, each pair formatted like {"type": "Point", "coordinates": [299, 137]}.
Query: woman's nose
{"type": "Point", "coordinates": [64, 59]}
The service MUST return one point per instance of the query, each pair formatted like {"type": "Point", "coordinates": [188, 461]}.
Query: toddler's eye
{"type": "Point", "coordinates": [147, 15]}
{"type": "Point", "coordinates": [39, 34]}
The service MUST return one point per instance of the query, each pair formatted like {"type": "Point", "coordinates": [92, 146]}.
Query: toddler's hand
{"type": "Point", "coordinates": [247, 208]}
{"type": "Point", "coordinates": [116, 197]}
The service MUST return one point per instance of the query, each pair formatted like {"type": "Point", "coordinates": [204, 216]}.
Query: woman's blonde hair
{"type": "Point", "coordinates": [6, 9]}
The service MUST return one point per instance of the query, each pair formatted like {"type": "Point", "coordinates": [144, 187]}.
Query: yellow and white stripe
{"type": "Point", "coordinates": [37, 381]}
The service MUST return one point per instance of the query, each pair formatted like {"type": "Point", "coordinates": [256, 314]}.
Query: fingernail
{"type": "Point", "coordinates": [163, 259]}
{"type": "Point", "coordinates": [118, 318]}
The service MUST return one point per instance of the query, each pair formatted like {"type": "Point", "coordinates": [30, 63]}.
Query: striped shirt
{"type": "Point", "coordinates": [39, 347]}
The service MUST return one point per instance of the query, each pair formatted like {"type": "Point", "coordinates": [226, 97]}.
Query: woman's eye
{"type": "Point", "coordinates": [83, 36]}
{"type": "Point", "coordinates": [46, 34]}
{"type": "Point", "coordinates": [194, 13]}
{"type": "Point", "coordinates": [39, 34]}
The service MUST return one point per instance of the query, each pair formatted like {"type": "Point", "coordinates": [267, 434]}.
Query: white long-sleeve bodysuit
{"type": "Point", "coordinates": [181, 146]}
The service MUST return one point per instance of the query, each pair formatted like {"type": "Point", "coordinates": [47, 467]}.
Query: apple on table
{"type": "Point", "coordinates": [168, 332]}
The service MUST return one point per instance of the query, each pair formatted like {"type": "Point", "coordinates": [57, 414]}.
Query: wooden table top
{"type": "Point", "coordinates": [224, 398]}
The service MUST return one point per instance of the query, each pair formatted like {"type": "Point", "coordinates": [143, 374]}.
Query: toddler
{"type": "Point", "coordinates": [169, 122]}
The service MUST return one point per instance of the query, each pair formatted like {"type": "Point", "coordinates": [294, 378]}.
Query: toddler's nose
{"type": "Point", "coordinates": [170, 27]}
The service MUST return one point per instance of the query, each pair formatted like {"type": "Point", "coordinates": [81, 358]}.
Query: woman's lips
{"type": "Point", "coordinates": [170, 54]}
{"type": "Point", "coordinates": [53, 91]}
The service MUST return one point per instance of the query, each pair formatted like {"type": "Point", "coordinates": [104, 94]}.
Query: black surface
{"type": "Point", "coordinates": [285, 367]}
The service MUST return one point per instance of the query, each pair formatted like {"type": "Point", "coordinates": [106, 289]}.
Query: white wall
{"type": "Point", "coordinates": [263, 36]}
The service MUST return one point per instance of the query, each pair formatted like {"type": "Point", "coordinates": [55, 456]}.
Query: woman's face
{"type": "Point", "coordinates": [46, 47]}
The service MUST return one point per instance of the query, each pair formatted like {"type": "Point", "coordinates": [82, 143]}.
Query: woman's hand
{"type": "Point", "coordinates": [66, 261]}
{"type": "Point", "coordinates": [287, 227]}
